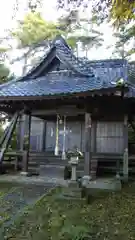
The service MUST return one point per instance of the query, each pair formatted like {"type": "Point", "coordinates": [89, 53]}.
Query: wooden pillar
{"type": "Point", "coordinates": [94, 137]}
{"type": "Point", "coordinates": [22, 131]}
{"type": "Point", "coordinates": [44, 136]}
{"type": "Point", "coordinates": [87, 154]}
{"type": "Point", "coordinates": [26, 143]}
{"type": "Point", "coordinates": [56, 151]}
{"type": "Point", "coordinates": [18, 133]}
{"type": "Point", "coordinates": [125, 149]}
{"type": "Point", "coordinates": [18, 138]}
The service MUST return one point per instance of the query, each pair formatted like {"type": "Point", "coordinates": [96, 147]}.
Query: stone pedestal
{"type": "Point", "coordinates": [74, 162]}
{"type": "Point", "coordinates": [63, 155]}
{"type": "Point", "coordinates": [73, 174]}
{"type": "Point", "coordinates": [56, 152]}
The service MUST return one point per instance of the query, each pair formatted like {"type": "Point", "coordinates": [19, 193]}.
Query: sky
{"type": "Point", "coordinates": [50, 13]}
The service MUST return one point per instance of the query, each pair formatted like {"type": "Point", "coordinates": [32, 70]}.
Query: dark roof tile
{"type": "Point", "coordinates": [46, 86]}
{"type": "Point", "coordinates": [83, 76]}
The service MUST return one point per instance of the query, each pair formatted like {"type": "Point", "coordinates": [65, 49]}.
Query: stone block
{"type": "Point", "coordinates": [105, 184]}
{"type": "Point", "coordinates": [26, 174]}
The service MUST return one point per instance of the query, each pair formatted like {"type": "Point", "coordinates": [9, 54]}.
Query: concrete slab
{"type": "Point", "coordinates": [37, 180]}
{"type": "Point", "coordinates": [105, 184]}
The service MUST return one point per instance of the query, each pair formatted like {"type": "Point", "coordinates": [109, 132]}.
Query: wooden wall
{"type": "Point", "coordinates": [109, 136]}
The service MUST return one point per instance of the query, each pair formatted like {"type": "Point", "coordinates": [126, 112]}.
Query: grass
{"type": "Point", "coordinates": [110, 216]}
{"type": "Point", "coordinates": [5, 187]}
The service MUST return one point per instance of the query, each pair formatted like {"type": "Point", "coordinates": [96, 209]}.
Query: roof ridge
{"type": "Point", "coordinates": [76, 63]}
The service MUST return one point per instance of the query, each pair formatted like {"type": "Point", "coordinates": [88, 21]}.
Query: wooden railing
{"type": "Point", "coordinates": [7, 136]}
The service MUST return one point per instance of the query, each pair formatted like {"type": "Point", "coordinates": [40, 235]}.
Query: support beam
{"type": "Point", "coordinates": [125, 149]}
{"type": "Point", "coordinates": [94, 137]}
{"type": "Point", "coordinates": [64, 140]}
{"type": "Point", "coordinates": [26, 143]}
{"type": "Point", "coordinates": [22, 131]}
{"type": "Point", "coordinates": [44, 136]}
{"type": "Point", "coordinates": [18, 138]}
{"type": "Point", "coordinates": [56, 151]}
{"type": "Point", "coordinates": [9, 133]}
{"type": "Point", "coordinates": [87, 156]}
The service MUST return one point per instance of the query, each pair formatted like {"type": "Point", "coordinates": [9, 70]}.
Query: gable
{"type": "Point", "coordinates": [60, 56]}
{"type": "Point", "coordinates": [55, 65]}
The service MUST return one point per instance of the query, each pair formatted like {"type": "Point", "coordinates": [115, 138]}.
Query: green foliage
{"type": "Point", "coordinates": [107, 217]}
{"type": "Point", "coordinates": [125, 41]}
{"type": "Point", "coordinates": [74, 232]}
{"type": "Point", "coordinates": [122, 11]}
{"type": "Point", "coordinates": [86, 35]}
{"type": "Point", "coordinates": [118, 11]}
{"type": "Point", "coordinates": [121, 41]}
{"type": "Point", "coordinates": [4, 73]}
{"type": "Point", "coordinates": [83, 32]}
{"type": "Point", "coordinates": [4, 70]}
{"type": "Point", "coordinates": [34, 29]}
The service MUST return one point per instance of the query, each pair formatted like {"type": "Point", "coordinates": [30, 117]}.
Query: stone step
{"type": "Point", "coordinates": [72, 192]}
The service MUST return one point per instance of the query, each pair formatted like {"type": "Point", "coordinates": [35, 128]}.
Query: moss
{"type": "Point", "coordinates": [110, 216]}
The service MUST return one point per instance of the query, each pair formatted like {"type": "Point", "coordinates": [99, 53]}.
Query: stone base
{"type": "Point", "coordinates": [105, 184]}
{"type": "Point", "coordinates": [73, 184]}
{"type": "Point", "coordinates": [85, 180]}
{"type": "Point", "coordinates": [72, 192]}
{"type": "Point", "coordinates": [26, 174]}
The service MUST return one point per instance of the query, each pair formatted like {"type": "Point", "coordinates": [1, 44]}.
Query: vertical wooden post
{"type": "Point", "coordinates": [18, 138]}
{"type": "Point", "coordinates": [64, 140]}
{"type": "Point", "coordinates": [125, 150]}
{"type": "Point", "coordinates": [22, 131]}
{"type": "Point", "coordinates": [56, 151]}
{"type": "Point", "coordinates": [18, 130]}
{"type": "Point", "coordinates": [94, 137]}
{"type": "Point", "coordinates": [87, 156]}
{"type": "Point", "coordinates": [26, 148]}
{"type": "Point", "coordinates": [44, 136]}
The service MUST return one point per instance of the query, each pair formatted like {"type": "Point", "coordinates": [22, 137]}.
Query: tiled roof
{"type": "Point", "coordinates": [53, 84]}
{"type": "Point", "coordinates": [82, 76]}
{"type": "Point", "coordinates": [66, 55]}
{"type": "Point", "coordinates": [108, 70]}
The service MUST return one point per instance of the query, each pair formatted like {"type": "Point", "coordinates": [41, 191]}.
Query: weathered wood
{"type": "Point", "coordinates": [94, 137]}
{"type": "Point", "coordinates": [44, 136]}
{"type": "Point", "coordinates": [18, 136]}
{"type": "Point", "coordinates": [27, 147]}
{"type": "Point", "coordinates": [87, 155]}
{"type": "Point", "coordinates": [8, 137]}
{"type": "Point", "coordinates": [6, 132]}
{"type": "Point", "coordinates": [125, 148]}
{"type": "Point", "coordinates": [22, 132]}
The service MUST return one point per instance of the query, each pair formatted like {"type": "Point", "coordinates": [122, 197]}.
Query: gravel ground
{"type": "Point", "coordinates": [16, 200]}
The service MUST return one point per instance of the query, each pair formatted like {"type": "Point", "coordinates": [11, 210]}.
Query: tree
{"type": "Point", "coordinates": [34, 33]}
{"type": "Point", "coordinates": [121, 42]}
{"type": "Point", "coordinates": [125, 44]}
{"type": "Point", "coordinates": [86, 36]}
{"type": "Point", "coordinates": [4, 70]}
{"type": "Point", "coordinates": [116, 10]}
